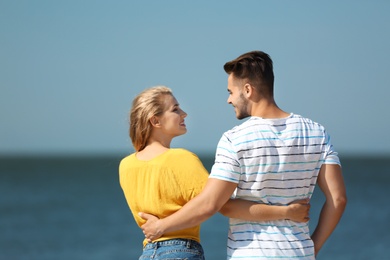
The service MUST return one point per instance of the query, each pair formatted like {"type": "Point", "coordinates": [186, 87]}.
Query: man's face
{"type": "Point", "coordinates": [236, 97]}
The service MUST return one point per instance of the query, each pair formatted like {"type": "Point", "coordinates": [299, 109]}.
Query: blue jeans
{"type": "Point", "coordinates": [173, 249]}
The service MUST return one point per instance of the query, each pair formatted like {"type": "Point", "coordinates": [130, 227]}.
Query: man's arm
{"type": "Point", "coordinates": [330, 181]}
{"type": "Point", "coordinates": [214, 195]}
{"type": "Point", "coordinates": [244, 209]}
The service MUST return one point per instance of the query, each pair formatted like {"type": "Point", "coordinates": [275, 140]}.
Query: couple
{"type": "Point", "coordinates": [264, 173]}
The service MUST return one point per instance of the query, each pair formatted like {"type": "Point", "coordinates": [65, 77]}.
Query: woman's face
{"type": "Point", "coordinates": [172, 120]}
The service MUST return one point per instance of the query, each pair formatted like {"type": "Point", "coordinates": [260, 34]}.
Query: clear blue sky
{"type": "Point", "coordinates": [70, 69]}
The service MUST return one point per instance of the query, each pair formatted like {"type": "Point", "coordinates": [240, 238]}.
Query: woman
{"type": "Point", "coordinates": [159, 180]}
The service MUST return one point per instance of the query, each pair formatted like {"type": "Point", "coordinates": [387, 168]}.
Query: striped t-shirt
{"type": "Point", "coordinates": [275, 162]}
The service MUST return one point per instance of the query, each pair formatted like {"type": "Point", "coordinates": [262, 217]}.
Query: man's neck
{"type": "Point", "coordinates": [268, 110]}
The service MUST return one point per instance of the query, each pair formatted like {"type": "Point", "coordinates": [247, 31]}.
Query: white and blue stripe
{"type": "Point", "coordinates": [273, 161]}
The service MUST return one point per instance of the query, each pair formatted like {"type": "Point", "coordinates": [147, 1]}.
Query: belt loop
{"type": "Point", "coordinates": [155, 247]}
{"type": "Point", "coordinates": [188, 243]}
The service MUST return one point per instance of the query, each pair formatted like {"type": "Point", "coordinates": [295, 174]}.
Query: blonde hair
{"type": "Point", "coordinates": [147, 104]}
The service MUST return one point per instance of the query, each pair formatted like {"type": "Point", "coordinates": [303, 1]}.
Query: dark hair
{"type": "Point", "coordinates": [256, 67]}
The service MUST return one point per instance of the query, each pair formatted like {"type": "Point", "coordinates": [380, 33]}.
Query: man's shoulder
{"type": "Point", "coordinates": [306, 120]}
{"type": "Point", "coordinates": [238, 128]}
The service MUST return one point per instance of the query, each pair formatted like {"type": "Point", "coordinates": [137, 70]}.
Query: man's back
{"type": "Point", "coordinates": [274, 161]}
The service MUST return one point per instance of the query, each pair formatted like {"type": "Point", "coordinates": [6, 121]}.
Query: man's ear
{"type": "Point", "coordinates": [154, 121]}
{"type": "Point", "coordinates": [248, 90]}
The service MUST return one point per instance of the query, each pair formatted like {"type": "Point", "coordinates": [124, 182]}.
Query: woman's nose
{"type": "Point", "coordinates": [183, 114]}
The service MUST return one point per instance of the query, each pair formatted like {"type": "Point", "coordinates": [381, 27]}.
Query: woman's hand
{"type": "Point", "coordinates": [298, 211]}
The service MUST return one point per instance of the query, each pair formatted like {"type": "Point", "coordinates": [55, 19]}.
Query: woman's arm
{"type": "Point", "coordinates": [244, 209]}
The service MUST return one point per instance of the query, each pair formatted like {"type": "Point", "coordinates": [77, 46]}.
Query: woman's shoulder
{"type": "Point", "coordinates": [181, 151]}
{"type": "Point", "coordinates": [128, 158]}
{"type": "Point", "coordinates": [184, 153]}
{"type": "Point", "coordinates": [185, 160]}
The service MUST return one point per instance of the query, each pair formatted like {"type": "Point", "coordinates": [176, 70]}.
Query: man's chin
{"type": "Point", "coordinates": [240, 117]}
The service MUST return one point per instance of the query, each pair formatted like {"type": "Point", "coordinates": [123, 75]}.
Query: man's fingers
{"type": "Point", "coordinates": [145, 216]}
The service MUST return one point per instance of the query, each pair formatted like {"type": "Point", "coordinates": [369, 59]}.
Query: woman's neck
{"type": "Point", "coordinates": [152, 150]}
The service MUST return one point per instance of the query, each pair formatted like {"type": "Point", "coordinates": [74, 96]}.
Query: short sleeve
{"type": "Point", "coordinates": [331, 156]}
{"type": "Point", "coordinates": [226, 166]}
{"type": "Point", "coordinates": [193, 174]}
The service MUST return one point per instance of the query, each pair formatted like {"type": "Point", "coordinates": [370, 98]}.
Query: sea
{"type": "Point", "coordinates": [72, 207]}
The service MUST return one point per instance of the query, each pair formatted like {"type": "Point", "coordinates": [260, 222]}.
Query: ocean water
{"type": "Point", "coordinates": [73, 208]}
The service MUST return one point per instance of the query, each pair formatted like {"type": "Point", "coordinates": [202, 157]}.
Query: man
{"type": "Point", "coordinates": [273, 158]}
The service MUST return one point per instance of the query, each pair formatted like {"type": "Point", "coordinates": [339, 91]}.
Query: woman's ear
{"type": "Point", "coordinates": [154, 121]}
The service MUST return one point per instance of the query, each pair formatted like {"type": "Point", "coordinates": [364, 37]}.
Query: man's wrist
{"type": "Point", "coordinates": [160, 227]}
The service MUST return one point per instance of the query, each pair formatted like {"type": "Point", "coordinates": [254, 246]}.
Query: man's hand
{"type": "Point", "coordinates": [151, 228]}
{"type": "Point", "coordinates": [298, 211]}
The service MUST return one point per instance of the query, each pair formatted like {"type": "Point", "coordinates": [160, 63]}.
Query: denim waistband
{"type": "Point", "coordinates": [187, 242]}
